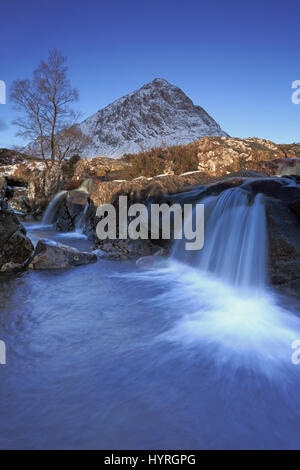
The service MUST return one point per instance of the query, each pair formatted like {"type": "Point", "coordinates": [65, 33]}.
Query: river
{"type": "Point", "coordinates": [110, 356]}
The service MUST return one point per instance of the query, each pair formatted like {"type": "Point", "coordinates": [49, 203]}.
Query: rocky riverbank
{"type": "Point", "coordinates": [254, 164]}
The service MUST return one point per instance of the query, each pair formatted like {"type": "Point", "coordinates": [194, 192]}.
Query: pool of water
{"type": "Point", "coordinates": [109, 356]}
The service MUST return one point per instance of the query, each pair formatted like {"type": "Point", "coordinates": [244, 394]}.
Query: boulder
{"type": "Point", "coordinates": [15, 246]}
{"type": "Point", "coordinates": [126, 249]}
{"type": "Point", "coordinates": [42, 187]}
{"type": "Point", "coordinates": [53, 255]}
{"type": "Point", "coordinates": [77, 211]}
{"type": "Point", "coordinates": [144, 188]}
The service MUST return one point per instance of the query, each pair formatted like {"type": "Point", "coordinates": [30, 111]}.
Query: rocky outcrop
{"type": "Point", "coordinates": [99, 166]}
{"type": "Point", "coordinates": [214, 156]}
{"type": "Point", "coordinates": [290, 150]}
{"type": "Point", "coordinates": [218, 156]}
{"type": "Point", "coordinates": [15, 247]}
{"type": "Point", "coordinates": [142, 188]}
{"type": "Point", "coordinates": [18, 164]}
{"type": "Point", "coordinates": [52, 255]}
{"type": "Point", "coordinates": [42, 187]}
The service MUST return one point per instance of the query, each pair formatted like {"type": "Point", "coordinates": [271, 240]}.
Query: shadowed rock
{"type": "Point", "coordinates": [52, 255]}
{"type": "Point", "coordinates": [15, 246]}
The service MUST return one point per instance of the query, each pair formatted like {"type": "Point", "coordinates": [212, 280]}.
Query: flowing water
{"type": "Point", "coordinates": [196, 354]}
{"type": "Point", "coordinates": [51, 211]}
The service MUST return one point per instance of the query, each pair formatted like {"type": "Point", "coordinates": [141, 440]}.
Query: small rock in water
{"type": "Point", "coordinates": [53, 255]}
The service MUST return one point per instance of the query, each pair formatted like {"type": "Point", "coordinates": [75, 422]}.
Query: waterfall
{"type": "Point", "coordinates": [80, 224]}
{"type": "Point", "coordinates": [86, 186]}
{"type": "Point", "coordinates": [51, 211]}
{"type": "Point", "coordinates": [235, 239]}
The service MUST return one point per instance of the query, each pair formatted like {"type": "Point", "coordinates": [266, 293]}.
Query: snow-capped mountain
{"type": "Point", "coordinates": [158, 113]}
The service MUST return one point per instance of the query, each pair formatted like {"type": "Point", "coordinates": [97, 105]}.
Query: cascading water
{"type": "Point", "coordinates": [80, 224]}
{"type": "Point", "coordinates": [51, 211]}
{"type": "Point", "coordinates": [235, 239]}
{"type": "Point", "coordinates": [219, 355]}
{"type": "Point", "coordinates": [221, 290]}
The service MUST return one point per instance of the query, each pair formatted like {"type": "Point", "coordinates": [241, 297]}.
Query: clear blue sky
{"type": "Point", "coordinates": [237, 59]}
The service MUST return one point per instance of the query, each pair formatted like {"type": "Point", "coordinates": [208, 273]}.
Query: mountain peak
{"type": "Point", "coordinates": [160, 81]}
{"type": "Point", "coordinates": [156, 114]}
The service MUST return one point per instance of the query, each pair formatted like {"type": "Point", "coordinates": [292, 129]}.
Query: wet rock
{"type": "Point", "coordinates": [295, 207]}
{"type": "Point", "coordinates": [76, 210]}
{"type": "Point", "coordinates": [144, 188]}
{"type": "Point", "coordinates": [15, 246]}
{"type": "Point", "coordinates": [284, 247]}
{"type": "Point", "coordinates": [52, 255]}
{"type": "Point", "coordinates": [126, 249]}
{"type": "Point", "coordinates": [279, 188]}
{"type": "Point", "coordinates": [64, 222]}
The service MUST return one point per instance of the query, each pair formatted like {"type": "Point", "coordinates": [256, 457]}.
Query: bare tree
{"type": "Point", "coordinates": [26, 96]}
{"type": "Point", "coordinates": [45, 103]}
{"type": "Point", "coordinates": [70, 141]}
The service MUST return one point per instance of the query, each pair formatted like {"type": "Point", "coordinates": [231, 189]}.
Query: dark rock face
{"type": "Point", "coordinates": [77, 211]}
{"type": "Point", "coordinates": [295, 207]}
{"type": "Point", "coordinates": [15, 247]}
{"type": "Point", "coordinates": [51, 255]}
{"type": "Point", "coordinates": [3, 186]}
{"type": "Point", "coordinates": [284, 247]}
